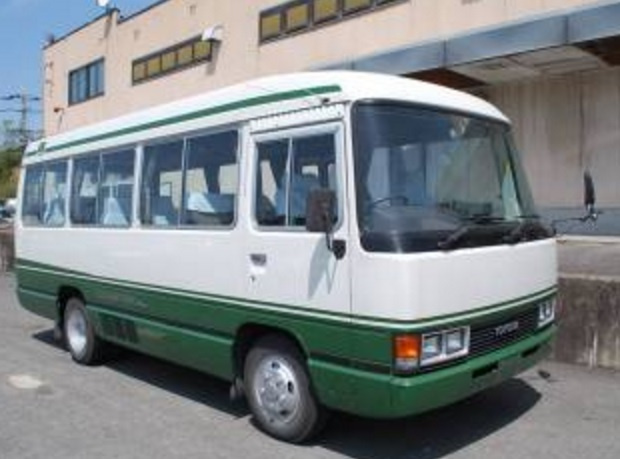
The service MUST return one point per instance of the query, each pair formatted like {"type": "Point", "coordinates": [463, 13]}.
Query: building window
{"type": "Point", "coordinates": [166, 61]}
{"type": "Point", "coordinates": [305, 15]}
{"type": "Point", "coordinates": [86, 82]}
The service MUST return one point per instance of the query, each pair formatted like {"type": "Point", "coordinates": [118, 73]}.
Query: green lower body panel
{"type": "Point", "coordinates": [350, 363]}
{"type": "Point", "coordinates": [388, 396]}
{"type": "Point", "coordinates": [41, 304]}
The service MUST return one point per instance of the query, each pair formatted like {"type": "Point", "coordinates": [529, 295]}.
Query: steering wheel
{"type": "Point", "coordinates": [396, 197]}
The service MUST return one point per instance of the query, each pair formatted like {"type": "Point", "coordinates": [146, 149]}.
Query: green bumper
{"type": "Point", "coordinates": [388, 396]}
{"type": "Point", "coordinates": [422, 393]}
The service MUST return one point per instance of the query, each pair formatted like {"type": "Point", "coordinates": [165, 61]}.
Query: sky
{"type": "Point", "coordinates": [24, 26]}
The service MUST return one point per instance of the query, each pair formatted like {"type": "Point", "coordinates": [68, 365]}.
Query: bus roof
{"type": "Point", "coordinates": [259, 98]}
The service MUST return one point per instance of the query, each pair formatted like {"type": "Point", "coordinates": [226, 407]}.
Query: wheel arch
{"type": "Point", "coordinates": [65, 293]}
{"type": "Point", "coordinates": [248, 334]}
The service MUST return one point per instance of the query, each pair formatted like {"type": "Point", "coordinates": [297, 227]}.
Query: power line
{"type": "Point", "coordinates": [23, 132]}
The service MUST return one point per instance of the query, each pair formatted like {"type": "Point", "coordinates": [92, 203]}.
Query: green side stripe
{"type": "Point", "coordinates": [211, 111]}
{"type": "Point", "coordinates": [364, 321]}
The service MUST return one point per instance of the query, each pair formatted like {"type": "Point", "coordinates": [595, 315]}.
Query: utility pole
{"type": "Point", "coordinates": [24, 110]}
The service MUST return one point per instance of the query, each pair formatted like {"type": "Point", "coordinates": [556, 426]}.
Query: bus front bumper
{"type": "Point", "coordinates": [419, 393]}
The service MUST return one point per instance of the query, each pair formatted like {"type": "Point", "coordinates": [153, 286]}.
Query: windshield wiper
{"type": "Point", "coordinates": [478, 220]}
{"type": "Point", "coordinates": [450, 242]}
{"type": "Point", "coordinates": [520, 232]}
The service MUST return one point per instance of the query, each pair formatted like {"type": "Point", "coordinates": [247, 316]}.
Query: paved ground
{"type": "Point", "coordinates": [139, 407]}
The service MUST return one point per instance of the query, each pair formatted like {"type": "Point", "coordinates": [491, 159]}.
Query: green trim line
{"type": "Point", "coordinates": [204, 113]}
{"type": "Point", "coordinates": [295, 311]}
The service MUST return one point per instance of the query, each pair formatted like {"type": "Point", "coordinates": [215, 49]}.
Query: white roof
{"type": "Point", "coordinates": [261, 97]}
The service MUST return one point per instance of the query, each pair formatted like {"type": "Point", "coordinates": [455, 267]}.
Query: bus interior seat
{"type": "Point", "coordinates": [54, 212]}
{"type": "Point", "coordinates": [163, 211]}
{"type": "Point", "coordinates": [301, 185]}
{"type": "Point", "coordinates": [210, 208]}
{"type": "Point", "coordinates": [113, 214]}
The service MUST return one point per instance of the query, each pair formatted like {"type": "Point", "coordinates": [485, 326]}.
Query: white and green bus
{"type": "Point", "coordinates": [328, 240]}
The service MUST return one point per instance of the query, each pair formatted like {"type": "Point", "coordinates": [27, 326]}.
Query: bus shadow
{"type": "Point", "coordinates": [181, 381]}
{"type": "Point", "coordinates": [427, 436]}
{"type": "Point", "coordinates": [434, 434]}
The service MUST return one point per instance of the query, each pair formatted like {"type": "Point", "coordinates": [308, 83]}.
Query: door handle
{"type": "Point", "coordinates": [258, 259]}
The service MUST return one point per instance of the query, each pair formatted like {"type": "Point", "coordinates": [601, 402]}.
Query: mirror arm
{"type": "Point", "coordinates": [337, 247]}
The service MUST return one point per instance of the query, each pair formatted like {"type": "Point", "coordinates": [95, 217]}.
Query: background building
{"type": "Point", "coordinates": [550, 65]}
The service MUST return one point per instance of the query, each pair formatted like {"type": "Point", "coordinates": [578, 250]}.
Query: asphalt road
{"type": "Point", "coordinates": [138, 407]}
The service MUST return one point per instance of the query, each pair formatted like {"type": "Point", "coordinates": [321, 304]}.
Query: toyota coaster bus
{"type": "Point", "coordinates": [328, 240]}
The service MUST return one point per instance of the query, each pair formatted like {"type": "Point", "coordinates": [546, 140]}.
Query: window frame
{"type": "Point", "coordinates": [334, 128]}
{"type": "Point", "coordinates": [177, 67]}
{"type": "Point", "coordinates": [314, 23]}
{"type": "Point", "coordinates": [185, 138]}
{"type": "Point", "coordinates": [44, 166]}
{"type": "Point", "coordinates": [85, 72]}
{"type": "Point", "coordinates": [99, 155]}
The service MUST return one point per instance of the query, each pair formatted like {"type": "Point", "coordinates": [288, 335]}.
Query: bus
{"type": "Point", "coordinates": [323, 241]}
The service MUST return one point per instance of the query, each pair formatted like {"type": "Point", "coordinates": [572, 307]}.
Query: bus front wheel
{"type": "Point", "coordinates": [80, 338]}
{"type": "Point", "coordinates": [279, 392]}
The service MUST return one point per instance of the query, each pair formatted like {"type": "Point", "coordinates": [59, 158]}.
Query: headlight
{"type": "Point", "coordinates": [414, 351]}
{"type": "Point", "coordinates": [444, 345]}
{"type": "Point", "coordinates": [432, 346]}
{"type": "Point", "coordinates": [546, 312]}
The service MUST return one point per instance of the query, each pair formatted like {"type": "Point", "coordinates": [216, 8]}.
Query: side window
{"type": "Point", "coordinates": [287, 171]}
{"type": "Point", "coordinates": [84, 190]}
{"type": "Point", "coordinates": [54, 194]}
{"type": "Point", "coordinates": [116, 188]}
{"type": "Point", "coordinates": [32, 201]}
{"type": "Point", "coordinates": [271, 182]}
{"type": "Point", "coordinates": [162, 184]}
{"type": "Point", "coordinates": [211, 180]}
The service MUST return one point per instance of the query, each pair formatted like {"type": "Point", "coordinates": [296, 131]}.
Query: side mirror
{"type": "Point", "coordinates": [320, 210]}
{"type": "Point", "coordinates": [589, 197]}
{"type": "Point", "coordinates": [320, 218]}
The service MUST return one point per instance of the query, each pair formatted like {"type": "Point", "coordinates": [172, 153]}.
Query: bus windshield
{"type": "Point", "coordinates": [426, 175]}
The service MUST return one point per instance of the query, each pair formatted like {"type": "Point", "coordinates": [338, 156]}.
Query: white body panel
{"type": "Point", "coordinates": [423, 286]}
{"type": "Point", "coordinates": [299, 271]}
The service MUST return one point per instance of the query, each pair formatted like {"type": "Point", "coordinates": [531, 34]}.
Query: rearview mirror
{"type": "Point", "coordinates": [589, 194]}
{"type": "Point", "coordinates": [320, 218]}
{"type": "Point", "coordinates": [589, 197]}
{"type": "Point", "coordinates": [320, 210]}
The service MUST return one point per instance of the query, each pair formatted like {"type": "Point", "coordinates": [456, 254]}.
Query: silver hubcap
{"type": "Point", "coordinates": [76, 331]}
{"type": "Point", "coordinates": [277, 391]}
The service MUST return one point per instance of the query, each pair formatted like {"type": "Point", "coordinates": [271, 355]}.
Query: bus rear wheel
{"type": "Point", "coordinates": [79, 334]}
{"type": "Point", "coordinates": [279, 392]}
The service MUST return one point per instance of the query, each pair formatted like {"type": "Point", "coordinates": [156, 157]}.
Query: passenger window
{"type": "Point", "coordinates": [32, 203]}
{"type": "Point", "coordinates": [211, 180]}
{"type": "Point", "coordinates": [102, 189]}
{"type": "Point", "coordinates": [162, 184]}
{"type": "Point", "coordinates": [271, 183]}
{"type": "Point", "coordinates": [288, 170]}
{"type": "Point", "coordinates": [54, 194]}
{"type": "Point", "coordinates": [116, 188]}
{"type": "Point", "coordinates": [84, 189]}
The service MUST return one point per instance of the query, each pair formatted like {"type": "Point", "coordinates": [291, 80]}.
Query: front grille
{"type": "Point", "coordinates": [497, 334]}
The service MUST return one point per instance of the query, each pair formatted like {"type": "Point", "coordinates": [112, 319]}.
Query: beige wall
{"type": "Point", "coordinates": [565, 125]}
{"type": "Point", "coordinates": [240, 56]}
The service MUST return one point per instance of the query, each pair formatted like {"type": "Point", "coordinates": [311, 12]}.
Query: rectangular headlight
{"type": "Point", "coordinates": [445, 345]}
{"type": "Point", "coordinates": [546, 312]}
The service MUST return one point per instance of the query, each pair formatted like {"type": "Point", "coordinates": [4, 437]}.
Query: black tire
{"type": "Point", "coordinates": [296, 415]}
{"type": "Point", "coordinates": [85, 347]}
